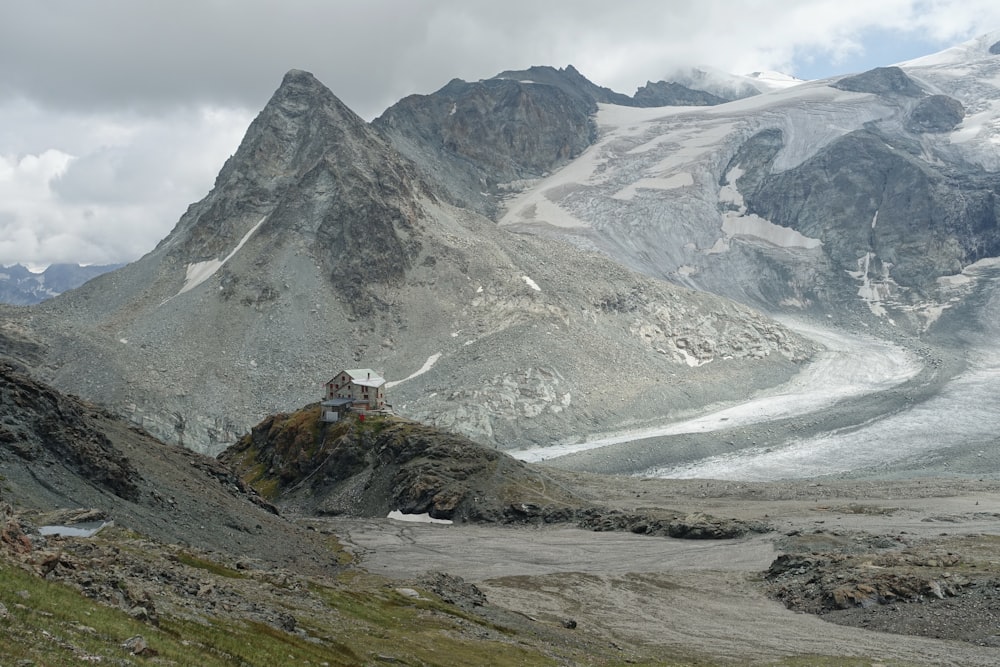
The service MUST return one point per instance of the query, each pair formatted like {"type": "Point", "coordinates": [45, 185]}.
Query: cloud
{"type": "Point", "coordinates": [111, 202]}
{"type": "Point", "coordinates": [113, 54]}
{"type": "Point", "coordinates": [115, 114]}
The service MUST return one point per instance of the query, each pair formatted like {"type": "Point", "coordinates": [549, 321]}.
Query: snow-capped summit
{"type": "Point", "coordinates": [984, 46]}
{"type": "Point", "coordinates": [773, 80]}
{"type": "Point", "coordinates": [731, 86]}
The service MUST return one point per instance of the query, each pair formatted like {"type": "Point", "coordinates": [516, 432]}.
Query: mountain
{"type": "Point", "coordinates": [852, 196]}
{"type": "Point", "coordinates": [321, 247]}
{"type": "Point", "coordinates": [663, 94]}
{"type": "Point", "coordinates": [480, 141]}
{"type": "Point", "coordinates": [603, 303]}
{"type": "Point", "coordinates": [19, 286]}
{"type": "Point", "coordinates": [730, 86]}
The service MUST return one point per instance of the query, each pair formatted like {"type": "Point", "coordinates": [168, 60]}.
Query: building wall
{"type": "Point", "coordinates": [371, 398]}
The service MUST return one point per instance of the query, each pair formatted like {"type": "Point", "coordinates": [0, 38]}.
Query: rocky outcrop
{"type": "Point", "coordinates": [698, 526]}
{"type": "Point", "coordinates": [374, 466]}
{"type": "Point", "coordinates": [936, 113]}
{"type": "Point", "coordinates": [943, 588]}
{"type": "Point", "coordinates": [664, 93]}
{"type": "Point", "coordinates": [884, 212]}
{"type": "Point", "coordinates": [474, 138]}
{"type": "Point", "coordinates": [881, 81]}
{"type": "Point", "coordinates": [44, 428]}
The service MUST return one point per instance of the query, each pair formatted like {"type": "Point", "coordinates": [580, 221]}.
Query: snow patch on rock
{"type": "Point", "coordinates": [417, 518]}
{"type": "Point", "coordinates": [531, 283]}
{"type": "Point", "coordinates": [199, 272]}
{"type": "Point", "coordinates": [431, 360]}
{"type": "Point", "coordinates": [739, 223]}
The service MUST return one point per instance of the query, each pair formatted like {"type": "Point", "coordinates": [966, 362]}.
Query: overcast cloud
{"type": "Point", "coordinates": [115, 114]}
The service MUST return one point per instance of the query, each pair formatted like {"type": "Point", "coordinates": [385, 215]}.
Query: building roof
{"type": "Point", "coordinates": [337, 402]}
{"type": "Point", "coordinates": [365, 377]}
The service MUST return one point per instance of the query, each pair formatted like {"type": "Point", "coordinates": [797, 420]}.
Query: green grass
{"type": "Point", "coordinates": [52, 624]}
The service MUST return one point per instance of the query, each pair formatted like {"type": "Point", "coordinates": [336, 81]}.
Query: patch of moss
{"type": "Point", "coordinates": [203, 564]}
{"type": "Point", "coordinates": [52, 624]}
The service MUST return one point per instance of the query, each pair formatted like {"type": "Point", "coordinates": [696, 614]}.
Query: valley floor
{"type": "Point", "coordinates": [716, 599]}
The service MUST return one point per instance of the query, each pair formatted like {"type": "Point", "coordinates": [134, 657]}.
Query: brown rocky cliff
{"type": "Point", "coordinates": [371, 467]}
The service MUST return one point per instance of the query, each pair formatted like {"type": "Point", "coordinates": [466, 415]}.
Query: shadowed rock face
{"type": "Point", "coordinates": [385, 464]}
{"type": "Point", "coordinates": [936, 113]}
{"type": "Point", "coordinates": [663, 93]}
{"type": "Point", "coordinates": [472, 138]}
{"type": "Point", "coordinates": [46, 428]}
{"type": "Point", "coordinates": [995, 49]}
{"type": "Point", "coordinates": [881, 81]}
{"type": "Point", "coordinates": [922, 230]}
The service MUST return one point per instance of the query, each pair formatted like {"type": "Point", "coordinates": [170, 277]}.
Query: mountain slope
{"type": "Point", "coordinates": [475, 139]}
{"type": "Point", "coordinates": [58, 453]}
{"type": "Point", "coordinates": [481, 140]}
{"type": "Point", "coordinates": [850, 197]}
{"type": "Point", "coordinates": [321, 248]}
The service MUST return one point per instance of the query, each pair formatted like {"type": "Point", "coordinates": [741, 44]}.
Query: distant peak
{"type": "Point", "coordinates": [294, 74]}
{"type": "Point", "coordinates": [297, 78]}
{"type": "Point", "coordinates": [300, 91]}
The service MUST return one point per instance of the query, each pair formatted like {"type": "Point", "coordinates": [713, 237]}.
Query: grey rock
{"type": "Point", "coordinates": [663, 93]}
{"type": "Point", "coordinates": [137, 645]}
{"type": "Point", "coordinates": [995, 49]}
{"type": "Point", "coordinates": [474, 138]}
{"type": "Point", "coordinates": [881, 81]}
{"type": "Point", "coordinates": [570, 81]}
{"type": "Point", "coordinates": [936, 113]}
{"type": "Point", "coordinates": [922, 230]}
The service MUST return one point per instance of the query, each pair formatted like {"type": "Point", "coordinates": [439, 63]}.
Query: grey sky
{"type": "Point", "coordinates": [116, 114]}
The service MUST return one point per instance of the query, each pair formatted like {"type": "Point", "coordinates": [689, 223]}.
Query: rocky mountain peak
{"type": "Point", "coordinates": [312, 176]}
{"type": "Point", "coordinates": [302, 122]}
